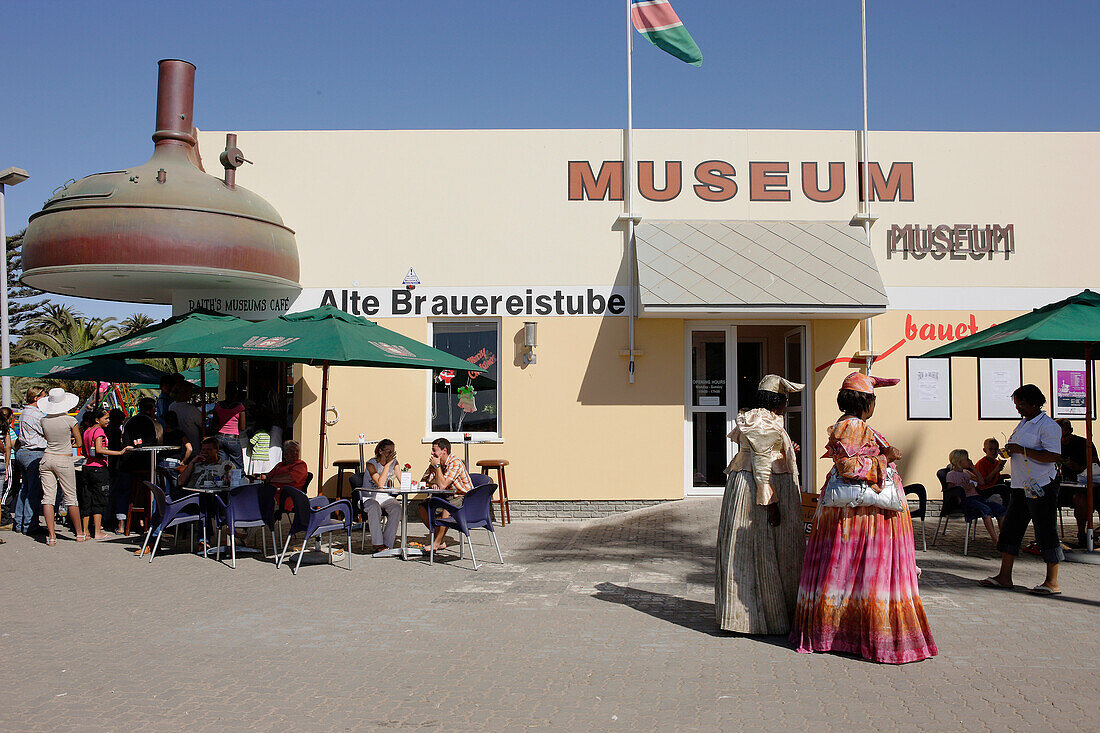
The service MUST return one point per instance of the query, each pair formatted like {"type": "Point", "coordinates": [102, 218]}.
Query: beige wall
{"type": "Point", "coordinates": [571, 426]}
{"type": "Point", "coordinates": [490, 208]}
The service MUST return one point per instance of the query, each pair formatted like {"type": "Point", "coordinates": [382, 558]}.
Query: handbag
{"type": "Point", "coordinates": [842, 492]}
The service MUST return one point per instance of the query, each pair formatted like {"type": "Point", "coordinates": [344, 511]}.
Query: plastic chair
{"type": "Point", "coordinates": [921, 493]}
{"type": "Point", "coordinates": [280, 512]}
{"type": "Point", "coordinates": [952, 507]}
{"type": "Point", "coordinates": [171, 513]}
{"type": "Point", "coordinates": [251, 505]}
{"type": "Point", "coordinates": [314, 518]}
{"type": "Point", "coordinates": [480, 479]}
{"type": "Point", "coordinates": [476, 512]}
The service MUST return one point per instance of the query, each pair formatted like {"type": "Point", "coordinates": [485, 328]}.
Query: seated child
{"type": "Point", "coordinates": [963, 476]}
{"type": "Point", "coordinates": [991, 483]}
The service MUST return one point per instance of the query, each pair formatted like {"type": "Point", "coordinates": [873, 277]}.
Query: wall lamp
{"type": "Point", "coordinates": [530, 341]}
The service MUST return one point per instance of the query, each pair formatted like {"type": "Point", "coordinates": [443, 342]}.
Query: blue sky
{"type": "Point", "coordinates": [78, 79]}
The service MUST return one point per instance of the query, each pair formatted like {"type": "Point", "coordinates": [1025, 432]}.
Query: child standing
{"type": "Point", "coordinates": [962, 475]}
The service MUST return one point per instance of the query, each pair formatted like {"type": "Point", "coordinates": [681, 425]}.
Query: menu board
{"type": "Point", "coordinates": [997, 380]}
{"type": "Point", "coordinates": [928, 388]}
{"type": "Point", "coordinates": [1067, 388]}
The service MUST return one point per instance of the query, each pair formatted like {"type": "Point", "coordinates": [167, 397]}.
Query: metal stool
{"type": "Point", "coordinates": [341, 465]}
{"type": "Point", "coordinates": [498, 464]}
{"type": "Point", "coordinates": [137, 506]}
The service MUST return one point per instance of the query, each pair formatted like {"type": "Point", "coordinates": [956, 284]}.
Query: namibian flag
{"type": "Point", "coordinates": [658, 22]}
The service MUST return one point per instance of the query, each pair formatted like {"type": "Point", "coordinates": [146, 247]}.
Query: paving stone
{"type": "Point", "coordinates": [603, 624]}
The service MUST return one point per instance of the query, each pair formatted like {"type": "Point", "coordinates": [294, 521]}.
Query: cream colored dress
{"type": "Point", "coordinates": [758, 566]}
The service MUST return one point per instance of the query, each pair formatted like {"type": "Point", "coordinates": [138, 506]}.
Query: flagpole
{"type": "Point", "coordinates": [628, 188]}
{"type": "Point", "coordinates": [865, 188]}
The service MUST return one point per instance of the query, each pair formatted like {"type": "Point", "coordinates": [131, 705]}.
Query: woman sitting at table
{"type": "Point", "coordinates": [380, 470]}
{"type": "Point", "coordinates": [291, 471]}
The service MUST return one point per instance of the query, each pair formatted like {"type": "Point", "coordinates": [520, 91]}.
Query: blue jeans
{"type": "Point", "coordinates": [231, 447]}
{"type": "Point", "coordinates": [28, 500]}
{"type": "Point", "coordinates": [975, 506]}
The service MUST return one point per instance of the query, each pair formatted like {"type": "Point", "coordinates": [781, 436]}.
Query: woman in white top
{"type": "Point", "coordinates": [57, 468]}
{"type": "Point", "coordinates": [377, 502]}
{"type": "Point", "coordinates": [1036, 448]}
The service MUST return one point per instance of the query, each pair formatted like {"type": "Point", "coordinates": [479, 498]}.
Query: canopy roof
{"type": "Point", "coordinates": [691, 267]}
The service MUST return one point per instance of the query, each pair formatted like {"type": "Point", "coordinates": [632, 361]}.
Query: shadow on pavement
{"type": "Point", "coordinates": [692, 615]}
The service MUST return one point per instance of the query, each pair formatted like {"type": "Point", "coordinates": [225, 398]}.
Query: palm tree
{"type": "Point", "coordinates": [136, 322]}
{"type": "Point", "coordinates": [60, 331]}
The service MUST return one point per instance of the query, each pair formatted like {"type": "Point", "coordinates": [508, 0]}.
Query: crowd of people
{"type": "Point", "coordinates": [43, 455]}
{"type": "Point", "coordinates": [983, 490]}
{"type": "Point", "coordinates": [851, 586]}
{"type": "Point", "coordinates": [95, 494]}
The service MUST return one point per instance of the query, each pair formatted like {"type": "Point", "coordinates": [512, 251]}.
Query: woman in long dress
{"type": "Point", "coordinates": [858, 593]}
{"type": "Point", "coordinates": [760, 538]}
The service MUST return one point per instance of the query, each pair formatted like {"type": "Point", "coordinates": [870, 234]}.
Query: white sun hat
{"type": "Point", "coordinates": [57, 402]}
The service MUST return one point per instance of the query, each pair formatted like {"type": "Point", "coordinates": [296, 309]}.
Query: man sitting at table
{"type": "Point", "coordinates": [446, 473]}
{"type": "Point", "coordinates": [291, 471]}
{"type": "Point", "coordinates": [1073, 465]}
{"type": "Point", "coordinates": [206, 466]}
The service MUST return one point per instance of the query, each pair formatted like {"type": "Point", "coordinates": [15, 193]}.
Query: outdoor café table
{"type": "Point", "coordinates": [405, 551]}
{"type": "Point", "coordinates": [362, 452]}
{"type": "Point", "coordinates": [208, 491]}
{"type": "Point", "coordinates": [152, 450]}
{"type": "Point", "coordinates": [362, 460]}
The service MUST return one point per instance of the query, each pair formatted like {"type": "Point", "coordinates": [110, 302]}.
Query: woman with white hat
{"type": "Point", "coordinates": [56, 468]}
{"type": "Point", "coordinates": [858, 592]}
{"type": "Point", "coordinates": [760, 538]}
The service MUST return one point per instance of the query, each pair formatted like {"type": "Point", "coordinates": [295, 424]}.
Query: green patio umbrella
{"type": "Point", "coordinates": [103, 369]}
{"type": "Point", "coordinates": [209, 380]}
{"type": "Point", "coordinates": [196, 324]}
{"type": "Point", "coordinates": [322, 337]}
{"type": "Point", "coordinates": [166, 334]}
{"type": "Point", "coordinates": [1068, 329]}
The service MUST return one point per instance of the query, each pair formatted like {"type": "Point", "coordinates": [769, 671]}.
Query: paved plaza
{"type": "Point", "coordinates": [601, 625]}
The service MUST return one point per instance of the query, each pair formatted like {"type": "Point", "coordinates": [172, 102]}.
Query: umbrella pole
{"type": "Point", "coordinates": [202, 394]}
{"type": "Point", "coordinates": [1089, 457]}
{"type": "Point", "coordinates": [321, 447]}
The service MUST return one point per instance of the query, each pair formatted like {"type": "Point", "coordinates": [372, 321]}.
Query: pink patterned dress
{"type": "Point", "coordinates": [858, 592]}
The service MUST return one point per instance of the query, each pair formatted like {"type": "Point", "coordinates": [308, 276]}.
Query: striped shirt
{"type": "Point", "coordinates": [261, 443]}
{"type": "Point", "coordinates": [455, 470]}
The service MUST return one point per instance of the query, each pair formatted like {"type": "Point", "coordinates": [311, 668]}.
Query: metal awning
{"type": "Point", "coordinates": [690, 268]}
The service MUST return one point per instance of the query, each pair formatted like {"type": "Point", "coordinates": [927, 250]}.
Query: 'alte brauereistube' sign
{"type": "Point", "coordinates": [532, 301]}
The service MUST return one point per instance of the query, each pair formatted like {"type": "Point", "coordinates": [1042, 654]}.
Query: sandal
{"type": "Point", "coordinates": [82, 538]}
{"type": "Point", "coordinates": [1042, 590]}
{"type": "Point", "coordinates": [994, 583]}
{"type": "Point", "coordinates": [51, 541]}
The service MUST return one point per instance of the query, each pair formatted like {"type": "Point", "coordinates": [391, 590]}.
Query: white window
{"type": "Point", "coordinates": [470, 403]}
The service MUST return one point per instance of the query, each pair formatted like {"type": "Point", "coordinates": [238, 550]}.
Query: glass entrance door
{"type": "Point", "coordinates": [710, 394]}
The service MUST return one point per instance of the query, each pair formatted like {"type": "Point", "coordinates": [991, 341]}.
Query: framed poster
{"type": "Point", "coordinates": [997, 380]}
{"type": "Point", "coordinates": [928, 388]}
{"type": "Point", "coordinates": [1067, 389]}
